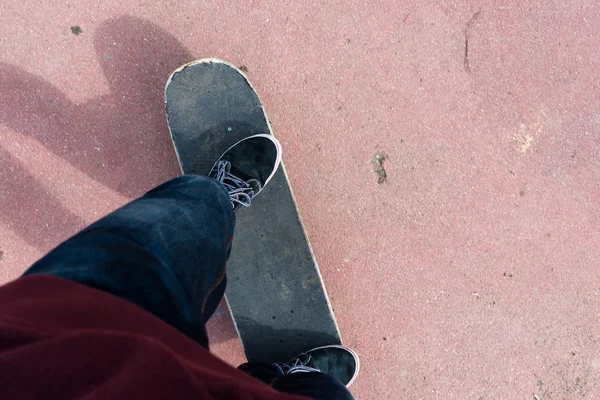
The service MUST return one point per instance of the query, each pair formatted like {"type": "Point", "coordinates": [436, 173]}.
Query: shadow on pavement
{"type": "Point", "coordinates": [119, 139]}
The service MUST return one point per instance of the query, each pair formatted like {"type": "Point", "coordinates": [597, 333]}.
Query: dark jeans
{"type": "Point", "coordinates": [166, 252]}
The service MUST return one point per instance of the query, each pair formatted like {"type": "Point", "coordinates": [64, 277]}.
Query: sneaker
{"type": "Point", "coordinates": [246, 168]}
{"type": "Point", "coordinates": [341, 362]}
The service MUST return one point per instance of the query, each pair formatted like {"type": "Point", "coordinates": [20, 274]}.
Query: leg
{"type": "Point", "coordinates": [165, 252]}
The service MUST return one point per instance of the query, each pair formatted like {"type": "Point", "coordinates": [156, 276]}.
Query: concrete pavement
{"type": "Point", "coordinates": [470, 271]}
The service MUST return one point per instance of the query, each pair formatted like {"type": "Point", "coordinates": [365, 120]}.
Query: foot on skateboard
{"type": "Point", "coordinates": [341, 362]}
{"type": "Point", "coordinates": [246, 167]}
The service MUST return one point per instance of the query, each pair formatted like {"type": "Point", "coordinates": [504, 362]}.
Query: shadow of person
{"type": "Point", "coordinates": [29, 210]}
{"type": "Point", "coordinates": [137, 57]}
{"type": "Point", "coordinates": [119, 139]}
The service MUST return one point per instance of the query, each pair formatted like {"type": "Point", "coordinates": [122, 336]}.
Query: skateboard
{"type": "Point", "coordinates": [275, 292]}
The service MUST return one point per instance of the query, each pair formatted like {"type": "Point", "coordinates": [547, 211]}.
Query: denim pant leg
{"type": "Point", "coordinates": [314, 385]}
{"type": "Point", "coordinates": [165, 252]}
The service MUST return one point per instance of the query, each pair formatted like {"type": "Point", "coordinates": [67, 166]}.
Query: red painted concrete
{"type": "Point", "coordinates": [472, 272]}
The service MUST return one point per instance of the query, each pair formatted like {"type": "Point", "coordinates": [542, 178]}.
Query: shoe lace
{"type": "Point", "coordinates": [240, 191]}
{"type": "Point", "coordinates": [297, 364]}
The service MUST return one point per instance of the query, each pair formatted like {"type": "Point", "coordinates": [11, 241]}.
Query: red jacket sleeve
{"type": "Point", "coordinates": [63, 340]}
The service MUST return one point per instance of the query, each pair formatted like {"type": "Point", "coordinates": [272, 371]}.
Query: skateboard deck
{"type": "Point", "coordinates": [275, 292]}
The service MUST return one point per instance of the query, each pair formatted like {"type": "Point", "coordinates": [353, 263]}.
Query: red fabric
{"type": "Point", "coordinates": [62, 340]}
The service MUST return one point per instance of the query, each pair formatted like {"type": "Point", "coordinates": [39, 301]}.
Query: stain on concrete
{"type": "Point", "coordinates": [564, 380]}
{"type": "Point", "coordinates": [467, 27]}
{"type": "Point", "coordinates": [377, 160]}
{"type": "Point", "coordinates": [528, 133]}
{"type": "Point", "coordinates": [524, 139]}
{"type": "Point", "coordinates": [1, 255]}
{"type": "Point", "coordinates": [570, 372]}
{"type": "Point", "coordinates": [76, 30]}
{"type": "Point", "coordinates": [243, 68]}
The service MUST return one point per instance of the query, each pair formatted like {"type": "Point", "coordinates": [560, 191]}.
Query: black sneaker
{"type": "Point", "coordinates": [341, 362]}
{"type": "Point", "coordinates": [246, 168]}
